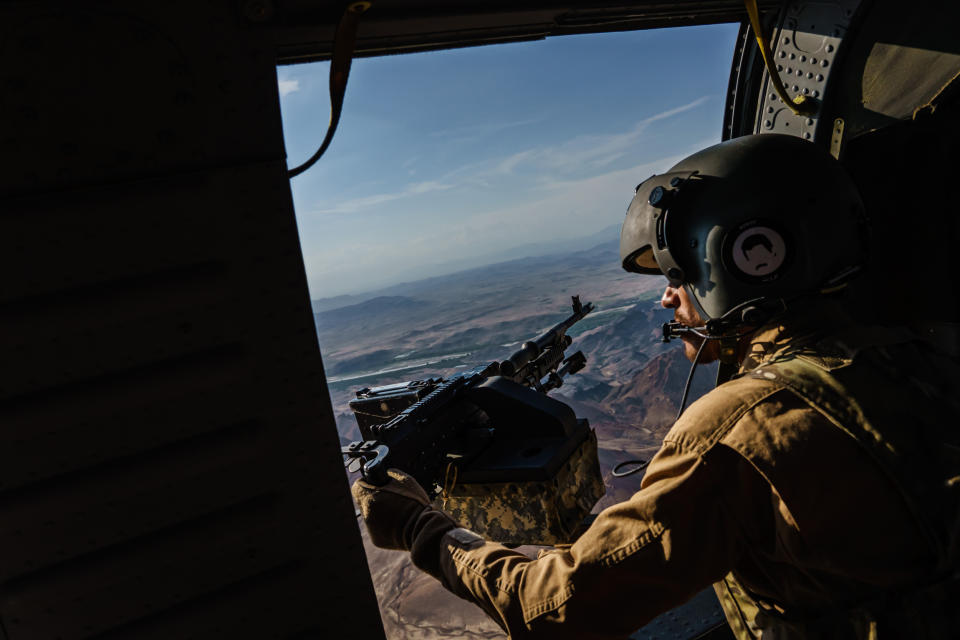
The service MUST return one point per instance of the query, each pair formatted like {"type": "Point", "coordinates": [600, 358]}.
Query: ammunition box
{"type": "Point", "coordinates": [545, 510]}
{"type": "Point", "coordinates": [380, 404]}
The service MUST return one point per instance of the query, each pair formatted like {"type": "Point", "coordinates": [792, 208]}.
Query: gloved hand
{"type": "Point", "coordinates": [399, 515]}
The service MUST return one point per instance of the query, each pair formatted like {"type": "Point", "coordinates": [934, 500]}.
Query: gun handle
{"type": "Point", "coordinates": [375, 471]}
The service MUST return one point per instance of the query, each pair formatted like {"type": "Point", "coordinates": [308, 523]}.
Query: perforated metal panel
{"type": "Point", "coordinates": [169, 465]}
{"type": "Point", "coordinates": [700, 617]}
{"type": "Point", "coordinates": [806, 42]}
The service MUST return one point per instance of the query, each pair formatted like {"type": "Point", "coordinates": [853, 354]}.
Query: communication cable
{"type": "Point", "coordinates": [642, 464]}
{"type": "Point", "coordinates": [686, 387]}
{"type": "Point", "coordinates": [800, 104]}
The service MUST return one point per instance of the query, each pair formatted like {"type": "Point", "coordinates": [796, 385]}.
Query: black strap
{"type": "Point", "coordinates": [344, 41]}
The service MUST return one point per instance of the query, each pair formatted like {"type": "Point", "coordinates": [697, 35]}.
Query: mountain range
{"type": "Point", "coordinates": [515, 258]}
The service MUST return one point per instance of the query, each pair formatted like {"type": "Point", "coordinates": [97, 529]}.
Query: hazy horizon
{"type": "Point", "coordinates": [456, 269]}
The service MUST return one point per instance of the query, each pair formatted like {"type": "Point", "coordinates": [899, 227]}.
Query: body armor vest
{"type": "Point", "coordinates": [900, 401]}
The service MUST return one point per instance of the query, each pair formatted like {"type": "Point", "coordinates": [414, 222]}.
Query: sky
{"type": "Point", "coordinates": [444, 160]}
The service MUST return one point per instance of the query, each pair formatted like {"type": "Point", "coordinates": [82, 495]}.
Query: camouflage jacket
{"type": "Point", "coordinates": [818, 491]}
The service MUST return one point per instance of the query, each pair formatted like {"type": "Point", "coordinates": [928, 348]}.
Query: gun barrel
{"type": "Point", "coordinates": [555, 337]}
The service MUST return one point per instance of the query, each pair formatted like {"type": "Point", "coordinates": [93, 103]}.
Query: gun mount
{"type": "Point", "coordinates": [495, 451]}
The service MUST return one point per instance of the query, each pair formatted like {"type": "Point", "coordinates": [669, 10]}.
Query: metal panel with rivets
{"type": "Point", "coordinates": [806, 42]}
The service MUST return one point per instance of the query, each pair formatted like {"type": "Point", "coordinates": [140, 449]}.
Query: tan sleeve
{"type": "Point", "coordinates": [639, 558]}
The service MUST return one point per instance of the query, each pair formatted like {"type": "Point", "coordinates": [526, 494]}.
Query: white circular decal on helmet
{"type": "Point", "coordinates": [759, 251]}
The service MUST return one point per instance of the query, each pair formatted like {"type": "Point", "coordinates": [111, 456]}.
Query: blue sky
{"type": "Point", "coordinates": [442, 160]}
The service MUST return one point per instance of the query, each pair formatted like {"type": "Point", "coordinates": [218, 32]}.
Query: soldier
{"type": "Point", "coordinates": [818, 489]}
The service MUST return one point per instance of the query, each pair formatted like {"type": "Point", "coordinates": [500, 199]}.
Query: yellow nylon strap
{"type": "Point", "coordinates": [800, 105]}
{"type": "Point", "coordinates": [834, 289]}
{"type": "Point", "coordinates": [449, 481]}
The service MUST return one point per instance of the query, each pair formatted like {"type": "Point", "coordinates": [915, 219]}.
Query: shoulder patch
{"type": "Point", "coordinates": [764, 373]}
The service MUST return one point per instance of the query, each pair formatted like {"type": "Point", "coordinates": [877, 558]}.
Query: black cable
{"type": "Point", "coordinates": [641, 464]}
{"type": "Point", "coordinates": [704, 337]}
{"type": "Point", "coordinates": [344, 41]}
{"type": "Point", "coordinates": [686, 387]}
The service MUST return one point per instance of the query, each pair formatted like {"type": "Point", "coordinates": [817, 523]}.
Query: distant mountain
{"type": "Point", "coordinates": [598, 249]}
{"type": "Point", "coordinates": [603, 257]}
{"type": "Point", "coordinates": [335, 318]}
{"type": "Point", "coordinates": [635, 336]}
{"type": "Point", "coordinates": [326, 304]}
{"type": "Point", "coordinates": [558, 247]}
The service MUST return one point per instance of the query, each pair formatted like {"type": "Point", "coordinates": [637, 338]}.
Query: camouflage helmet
{"type": "Point", "coordinates": [747, 222]}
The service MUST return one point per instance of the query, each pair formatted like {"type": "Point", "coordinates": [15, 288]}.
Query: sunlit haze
{"type": "Point", "coordinates": [454, 159]}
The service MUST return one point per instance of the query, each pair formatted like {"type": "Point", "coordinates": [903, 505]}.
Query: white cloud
{"type": "Point", "coordinates": [570, 158]}
{"type": "Point", "coordinates": [508, 164]}
{"type": "Point", "coordinates": [589, 150]}
{"type": "Point", "coordinates": [576, 206]}
{"type": "Point", "coordinates": [544, 164]}
{"type": "Point", "coordinates": [672, 112]}
{"type": "Point", "coordinates": [288, 86]}
{"type": "Point", "coordinates": [479, 131]}
{"type": "Point", "coordinates": [366, 202]}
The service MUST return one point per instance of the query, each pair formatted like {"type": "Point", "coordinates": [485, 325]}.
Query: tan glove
{"type": "Point", "coordinates": [399, 516]}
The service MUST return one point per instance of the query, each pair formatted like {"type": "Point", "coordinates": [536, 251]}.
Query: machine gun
{"type": "Point", "coordinates": [504, 457]}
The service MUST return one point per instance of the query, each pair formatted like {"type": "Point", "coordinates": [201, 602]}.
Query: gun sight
{"type": "Point", "coordinates": [523, 364]}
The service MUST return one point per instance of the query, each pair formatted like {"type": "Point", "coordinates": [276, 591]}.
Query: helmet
{"type": "Point", "coordinates": [747, 225]}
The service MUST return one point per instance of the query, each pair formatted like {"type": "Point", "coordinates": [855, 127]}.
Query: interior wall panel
{"type": "Point", "coordinates": [169, 464]}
